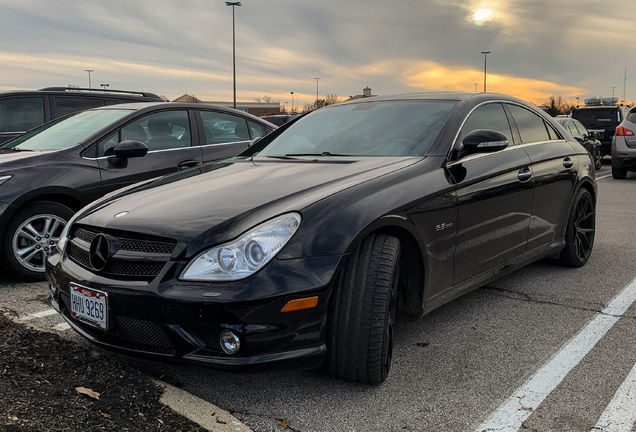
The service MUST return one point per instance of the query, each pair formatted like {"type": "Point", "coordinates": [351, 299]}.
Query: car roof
{"type": "Point", "coordinates": [78, 91]}
{"type": "Point", "coordinates": [152, 106]}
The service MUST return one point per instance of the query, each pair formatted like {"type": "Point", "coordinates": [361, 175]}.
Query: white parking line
{"type": "Point", "coordinates": [513, 412]}
{"type": "Point", "coordinates": [62, 327]}
{"type": "Point", "coordinates": [620, 415]}
{"type": "Point", "coordinates": [604, 176]}
{"type": "Point", "coordinates": [42, 314]}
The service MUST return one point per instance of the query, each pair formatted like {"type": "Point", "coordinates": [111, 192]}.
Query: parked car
{"type": "Point", "coordinates": [280, 119]}
{"type": "Point", "coordinates": [23, 110]}
{"type": "Point", "coordinates": [601, 120]}
{"type": "Point", "coordinates": [586, 138]}
{"type": "Point", "coordinates": [306, 247]}
{"type": "Point", "coordinates": [54, 170]}
{"type": "Point", "coordinates": [624, 146]}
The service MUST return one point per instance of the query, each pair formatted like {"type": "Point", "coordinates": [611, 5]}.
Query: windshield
{"type": "Point", "coordinates": [67, 132]}
{"type": "Point", "coordinates": [369, 128]}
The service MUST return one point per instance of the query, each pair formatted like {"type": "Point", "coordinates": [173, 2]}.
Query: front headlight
{"type": "Point", "coordinates": [246, 255]}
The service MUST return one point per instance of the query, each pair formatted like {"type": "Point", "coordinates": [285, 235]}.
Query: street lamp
{"type": "Point", "coordinates": [476, 84]}
{"type": "Point", "coordinates": [292, 98]}
{"type": "Point", "coordinates": [104, 86]}
{"type": "Point", "coordinates": [227, 3]}
{"type": "Point", "coordinates": [577, 101]}
{"type": "Point", "coordinates": [485, 53]}
{"type": "Point", "coordinates": [89, 76]}
{"type": "Point", "coordinates": [613, 88]}
{"type": "Point", "coordinates": [316, 92]}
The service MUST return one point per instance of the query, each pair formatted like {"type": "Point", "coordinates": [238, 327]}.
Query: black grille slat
{"type": "Point", "coordinates": [129, 265]}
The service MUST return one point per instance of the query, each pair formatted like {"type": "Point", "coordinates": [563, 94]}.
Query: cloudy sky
{"type": "Point", "coordinates": [571, 48]}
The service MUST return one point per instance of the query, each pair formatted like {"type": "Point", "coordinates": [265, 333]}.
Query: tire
{"type": "Point", "coordinates": [31, 235]}
{"type": "Point", "coordinates": [580, 230]}
{"type": "Point", "coordinates": [618, 173]}
{"type": "Point", "coordinates": [362, 312]}
{"type": "Point", "coordinates": [598, 162]}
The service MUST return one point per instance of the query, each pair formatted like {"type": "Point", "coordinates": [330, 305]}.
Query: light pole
{"type": "Point", "coordinates": [316, 92]}
{"type": "Point", "coordinates": [476, 84]}
{"type": "Point", "coordinates": [577, 101]}
{"type": "Point", "coordinates": [227, 3]}
{"type": "Point", "coordinates": [104, 86]}
{"type": "Point", "coordinates": [613, 88]}
{"type": "Point", "coordinates": [89, 76]}
{"type": "Point", "coordinates": [485, 53]}
{"type": "Point", "coordinates": [292, 97]}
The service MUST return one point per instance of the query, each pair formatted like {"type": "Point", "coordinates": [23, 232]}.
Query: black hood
{"type": "Point", "coordinates": [228, 198]}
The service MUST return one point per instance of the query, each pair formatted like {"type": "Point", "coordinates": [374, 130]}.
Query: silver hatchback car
{"type": "Point", "coordinates": [624, 146]}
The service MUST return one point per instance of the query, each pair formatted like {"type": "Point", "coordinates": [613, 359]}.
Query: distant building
{"type": "Point", "coordinates": [366, 92]}
{"type": "Point", "coordinates": [255, 108]}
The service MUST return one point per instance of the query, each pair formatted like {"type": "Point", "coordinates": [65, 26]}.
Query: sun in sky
{"type": "Point", "coordinates": [482, 15]}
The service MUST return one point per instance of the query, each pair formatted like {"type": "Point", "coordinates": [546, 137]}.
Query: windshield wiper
{"type": "Point", "coordinates": [316, 154]}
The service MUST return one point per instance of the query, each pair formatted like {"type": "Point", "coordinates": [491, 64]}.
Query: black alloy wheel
{"type": "Point", "coordinates": [363, 310]}
{"type": "Point", "coordinates": [580, 231]}
{"type": "Point", "coordinates": [598, 159]}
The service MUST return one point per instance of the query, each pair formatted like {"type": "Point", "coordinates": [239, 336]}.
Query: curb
{"type": "Point", "coordinates": [207, 415]}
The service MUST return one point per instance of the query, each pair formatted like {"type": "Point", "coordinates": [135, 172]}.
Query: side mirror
{"type": "Point", "coordinates": [579, 139]}
{"type": "Point", "coordinates": [593, 134]}
{"type": "Point", "coordinates": [128, 149]}
{"type": "Point", "coordinates": [254, 141]}
{"type": "Point", "coordinates": [484, 141]}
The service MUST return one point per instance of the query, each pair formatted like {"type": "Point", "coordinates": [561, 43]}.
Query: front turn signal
{"type": "Point", "coordinates": [300, 304]}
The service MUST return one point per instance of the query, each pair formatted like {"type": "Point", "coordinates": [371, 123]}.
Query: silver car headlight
{"type": "Point", "coordinates": [246, 255]}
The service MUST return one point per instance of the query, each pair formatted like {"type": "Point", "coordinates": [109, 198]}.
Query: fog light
{"type": "Point", "coordinates": [230, 343]}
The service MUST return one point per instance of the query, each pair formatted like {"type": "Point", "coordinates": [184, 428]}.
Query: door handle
{"type": "Point", "coordinates": [187, 164]}
{"type": "Point", "coordinates": [524, 174]}
{"type": "Point", "coordinates": [567, 162]}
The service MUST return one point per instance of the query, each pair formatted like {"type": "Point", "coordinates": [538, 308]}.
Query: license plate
{"type": "Point", "coordinates": [89, 306]}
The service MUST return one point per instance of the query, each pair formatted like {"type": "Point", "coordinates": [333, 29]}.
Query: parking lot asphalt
{"type": "Point", "coordinates": [457, 367]}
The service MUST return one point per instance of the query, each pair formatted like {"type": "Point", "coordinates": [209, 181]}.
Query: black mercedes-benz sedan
{"type": "Point", "coordinates": [56, 169]}
{"type": "Point", "coordinates": [305, 248]}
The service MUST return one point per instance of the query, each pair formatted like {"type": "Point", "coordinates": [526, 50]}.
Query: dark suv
{"type": "Point", "coordinates": [24, 110]}
{"type": "Point", "coordinates": [601, 120]}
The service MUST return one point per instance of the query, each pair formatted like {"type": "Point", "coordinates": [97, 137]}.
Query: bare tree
{"type": "Point", "coordinates": [328, 100]}
{"type": "Point", "coordinates": [265, 99]}
{"type": "Point", "coordinates": [557, 105]}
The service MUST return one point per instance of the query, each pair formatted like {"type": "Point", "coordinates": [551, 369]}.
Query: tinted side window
{"type": "Point", "coordinates": [257, 130]}
{"type": "Point", "coordinates": [65, 105]}
{"type": "Point", "coordinates": [580, 128]}
{"type": "Point", "coordinates": [224, 128]}
{"type": "Point", "coordinates": [491, 116]}
{"type": "Point", "coordinates": [21, 114]}
{"type": "Point", "coordinates": [531, 126]}
{"type": "Point", "coordinates": [631, 117]}
{"type": "Point", "coordinates": [159, 131]}
{"type": "Point", "coordinates": [572, 127]}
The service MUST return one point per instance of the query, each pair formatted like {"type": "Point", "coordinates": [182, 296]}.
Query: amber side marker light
{"type": "Point", "coordinates": [300, 304]}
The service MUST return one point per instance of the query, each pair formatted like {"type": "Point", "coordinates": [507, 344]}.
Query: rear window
{"type": "Point", "coordinates": [598, 117]}
{"type": "Point", "coordinates": [631, 117]}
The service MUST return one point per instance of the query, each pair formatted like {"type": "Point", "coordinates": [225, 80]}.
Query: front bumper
{"type": "Point", "coordinates": [175, 320]}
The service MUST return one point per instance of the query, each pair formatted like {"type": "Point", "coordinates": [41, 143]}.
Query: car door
{"type": "Point", "coordinates": [168, 135]}
{"type": "Point", "coordinates": [223, 134]}
{"type": "Point", "coordinates": [494, 193]}
{"type": "Point", "coordinates": [554, 166]}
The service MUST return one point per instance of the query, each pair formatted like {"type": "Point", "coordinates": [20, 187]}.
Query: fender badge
{"type": "Point", "coordinates": [121, 214]}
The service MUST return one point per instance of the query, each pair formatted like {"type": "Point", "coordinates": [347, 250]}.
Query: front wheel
{"type": "Point", "coordinates": [362, 312]}
{"type": "Point", "coordinates": [580, 230]}
{"type": "Point", "coordinates": [31, 236]}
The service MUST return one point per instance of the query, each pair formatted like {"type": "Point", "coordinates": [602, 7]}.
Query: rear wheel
{"type": "Point", "coordinates": [579, 234]}
{"type": "Point", "coordinates": [598, 159]}
{"type": "Point", "coordinates": [31, 236]}
{"type": "Point", "coordinates": [363, 310]}
{"type": "Point", "coordinates": [618, 173]}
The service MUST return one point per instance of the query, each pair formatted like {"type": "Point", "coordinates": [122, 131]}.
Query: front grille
{"type": "Point", "coordinates": [133, 256]}
{"type": "Point", "coordinates": [130, 333]}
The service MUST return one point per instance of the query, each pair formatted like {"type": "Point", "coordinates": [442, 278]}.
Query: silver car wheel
{"type": "Point", "coordinates": [36, 238]}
